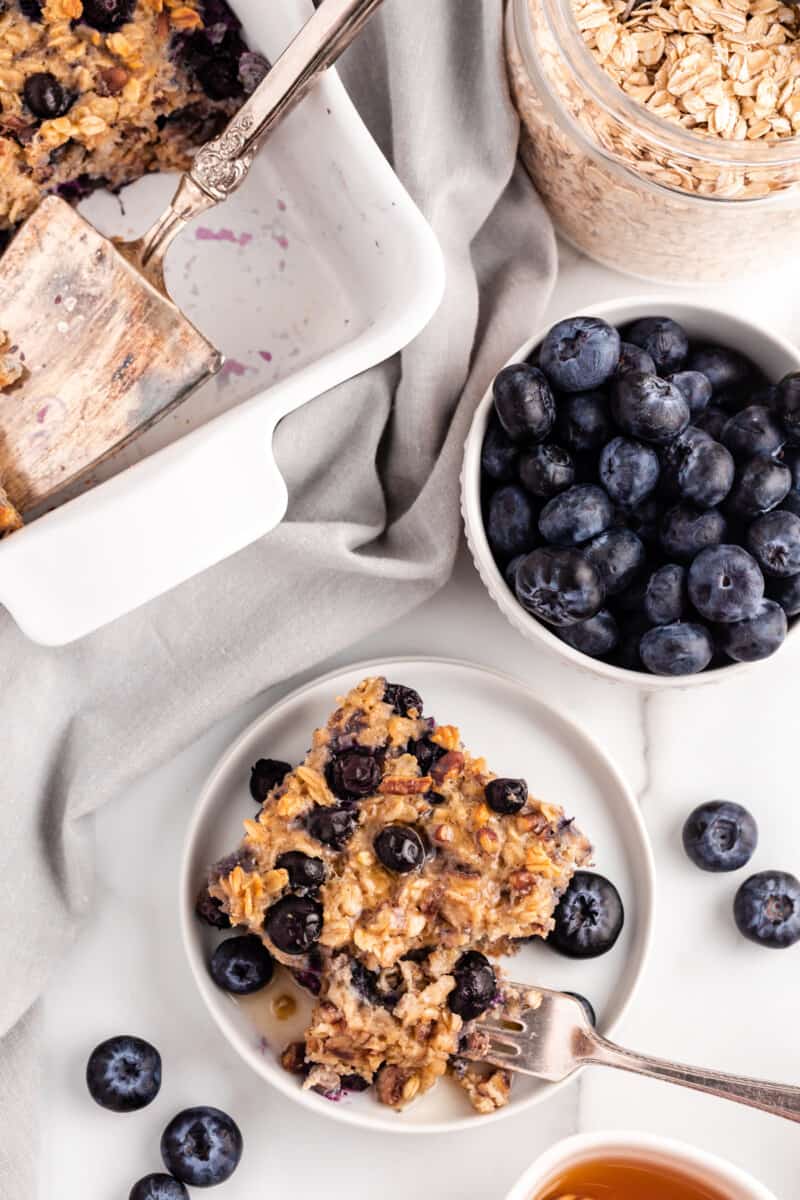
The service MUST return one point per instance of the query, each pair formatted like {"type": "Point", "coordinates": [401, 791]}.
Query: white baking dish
{"type": "Point", "coordinates": [320, 267]}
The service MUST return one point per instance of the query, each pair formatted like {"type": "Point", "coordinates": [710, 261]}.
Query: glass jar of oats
{"type": "Point", "coordinates": [663, 136]}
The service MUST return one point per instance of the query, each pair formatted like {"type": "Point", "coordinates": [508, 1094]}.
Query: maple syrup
{"type": "Point", "coordinates": [627, 1179]}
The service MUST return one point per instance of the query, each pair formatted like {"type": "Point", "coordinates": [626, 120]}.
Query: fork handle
{"type": "Point", "coordinates": [779, 1099]}
{"type": "Point", "coordinates": [221, 165]}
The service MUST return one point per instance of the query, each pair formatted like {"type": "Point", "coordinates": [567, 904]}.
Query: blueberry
{"type": "Point", "coordinates": [107, 15]}
{"type": "Point", "coordinates": [634, 358]}
{"type": "Point", "coordinates": [511, 522]}
{"type": "Point", "coordinates": [252, 69]}
{"type": "Point", "coordinates": [586, 1005]}
{"type": "Point", "coordinates": [695, 389]}
{"type": "Point", "coordinates": [759, 486]}
{"type": "Point", "coordinates": [242, 965]}
{"type": "Point", "coordinates": [559, 586]}
{"type": "Point", "coordinates": [201, 1146]}
{"type": "Point", "coordinates": [618, 555]}
{"type": "Point", "coordinates": [686, 530]}
{"type": "Point", "coordinates": [583, 422]}
{"type": "Point", "coordinates": [506, 796]}
{"type": "Point", "coordinates": [791, 459]}
{"type": "Point", "coordinates": [755, 637]}
{"type": "Point", "coordinates": [294, 924]}
{"type": "Point", "coordinates": [546, 470]}
{"type": "Point", "coordinates": [499, 454]}
{"type": "Point", "coordinates": [720, 836]}
{"type": "Point", "coordinates": [597, 636]}
{"type": "Point", "coordinates": [580, 353]}
{"type": "Point", "coordinates": [589, 917]}
{"type": "Point", "coordinates": [524, 403]}
{"type": "Point", "coordinates": [220, 77]}
{"type": "Point", "coordinates": [46, 97]}
{"type": "Point", "coordinates": [787, 594]}
{"type": "Point", "coordinates": [332, 825]}
{"type": "Point", "coordinates": [683, 648]}
{"type": "Point", "coordinates": [767, 909]}
{"type": "Point", "coordinates": [787, 403]}
{"type": "Point", "coordinates": [752, 430]}
{"type": "Point", "coordinates": [665, 597]}
{"type": "Point", "coordinates": [722, 367]}
{"type": "Point", "coordinates": [791, 502]}
{"type": "Point", "coordinates": [631, 628]}
{"type": "Point", "coordinates": [209, 910]}
{"type": "Point", "coordinates": [510, 572]}
{"type": "Point", "coordinates": [158, 1187]}
{"type": "Point", "coordinates": [711, 420]}
{"type": "Point", "coordinates": [645, 520]}
{"type": "Point", "coordinates": [725, 584]}
{"type": "Point", "coordinates": [698, 468]}
{"type": "Point", "coordinates": [266, 774]}
{"type": "Point", "coordinates": [774, 539]}
{"type": "Point", "coordinates": [628, 471]}
{"type": "Point", "coordinates": [426, 752]}
{"type": "Point", "coordinates": [576, 515]}
{"type": "Point", "coordinates": [305, 872]}
{"type": "Point", "coordinates": [663, 339]}
{"type": "Point", "coordinates": [353, 774]}
{"type": "Point", "coordinates": [124, 1073]}
{"type": "Point", "coordinates": [404, 700]}
{"type": "Point", "coordinates": [648, 408]}
{"type": "Point", "coordinates": [476, 986]}
{"type": "Point", "coordinates": [31, 9]}
{"type": "Point", "coordinates": [400, 849]}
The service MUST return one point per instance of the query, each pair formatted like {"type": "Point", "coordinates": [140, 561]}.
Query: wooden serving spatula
{"type": "Point", "coordinates": [106, 351]}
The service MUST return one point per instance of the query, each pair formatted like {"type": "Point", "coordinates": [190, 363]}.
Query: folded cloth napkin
{"type": "Point", "coordinates": [372, 528]}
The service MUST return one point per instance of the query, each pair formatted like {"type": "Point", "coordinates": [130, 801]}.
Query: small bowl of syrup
{"type": "Point", "coordinates": [633, 1166]}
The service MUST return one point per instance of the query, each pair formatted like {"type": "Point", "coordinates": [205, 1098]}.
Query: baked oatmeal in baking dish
{"type": "Point", "coordinates": [96, 93]}
{"type": "Point", "coordinates": [385, 872]}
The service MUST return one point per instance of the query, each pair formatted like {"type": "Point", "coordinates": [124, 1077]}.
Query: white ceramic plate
{"type": "Point", "coordinates": [519, 735]}
{"type": "Point", "coordinates": [317, 268]}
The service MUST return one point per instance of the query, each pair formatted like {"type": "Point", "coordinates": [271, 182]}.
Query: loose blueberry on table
{"type": "Point", "coordinates": [201, 1146]}
{"type": "Point", "coordinates": [124, 1073]}
{"type": "Point", "coordinates": [158, 1187]}
{"type": "Point", "coordinates": [766, 909]}
{"type": "Point", "coordinates": [720, 836]}
{"type": "Point", "coordinates": [642, 495]}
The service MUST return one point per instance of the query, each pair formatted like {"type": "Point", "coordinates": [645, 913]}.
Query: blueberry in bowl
{"type": "Point", "coordinates": [654, 529]}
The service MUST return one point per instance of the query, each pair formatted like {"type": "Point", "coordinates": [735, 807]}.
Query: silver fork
{"type": "Point", "coordinates": [553, 1037]}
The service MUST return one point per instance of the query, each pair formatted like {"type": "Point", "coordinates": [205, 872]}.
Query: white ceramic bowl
{"type": "Point", "coordinates": [773, 353]}
{"type": "Point", "coordinates": [697, 1164]}
{"type": "Point", "coordinates": [502, 719]}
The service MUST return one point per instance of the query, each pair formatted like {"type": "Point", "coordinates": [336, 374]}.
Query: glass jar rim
{"type": "Point", "coordinates": [668, 136]}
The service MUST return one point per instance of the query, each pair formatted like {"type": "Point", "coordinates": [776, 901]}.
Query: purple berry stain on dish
{"type": "Point", "coordinates": [204, 234]}
{"type": "Point", "coordinates": [643, 485]}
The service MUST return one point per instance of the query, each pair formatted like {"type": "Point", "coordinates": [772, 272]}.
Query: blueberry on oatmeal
{"type": "Point", "coordinates": [506, 795]}
{"type": "Point", "coordinates": [209, 910]}
{"type": "Point", "coordinates": [306, 874]}
{"type": "Point", "coordinates": [45, 96]}
{"type": "Point", "coordinates": [353, 774]}
{"type": "Point", "coordinates": [266, 774]}
{"type": "Point", "coordinates": [294, 924]}
{"type": "Point", "coordinates": [400, 849]}
{"type": "Point", "coordinates": [333, 826]}
{"type": "Point", "coordinates": [476, 986]}
{"type": "Point", "coordinates": [107, 15]}
{"type": "Point", "coordinates": [404, 700]}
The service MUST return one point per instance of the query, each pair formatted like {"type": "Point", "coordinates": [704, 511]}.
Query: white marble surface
{"type": "Point", "coordinates": [706, 996]}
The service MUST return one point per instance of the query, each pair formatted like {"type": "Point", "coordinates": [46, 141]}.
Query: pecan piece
{"type": "Point", "coordinates": [293, 1058]}
{"type": "Point", "coordinates": [405, 785]}
{"type": "Point", "coordinates": [390, 1085]}
{"type": "Point", "coordinates": [112, 80]}
{"type": "Point", "coordinates": [522, 881]}
{"type": "Point", "coordinates": [448, 764]}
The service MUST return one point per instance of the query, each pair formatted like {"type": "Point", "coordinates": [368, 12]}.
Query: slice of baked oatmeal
{"type": "Point", "coordinates": [382, 871]}
{"type": "Point", "coordinates": [96, 93]}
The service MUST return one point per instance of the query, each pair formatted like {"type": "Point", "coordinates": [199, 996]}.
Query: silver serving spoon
{"type": "Point", "coordinates": [553, 1037]}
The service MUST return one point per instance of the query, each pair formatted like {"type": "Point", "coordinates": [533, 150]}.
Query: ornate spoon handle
{"type": "Point", "coordinates": [222, 164]}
